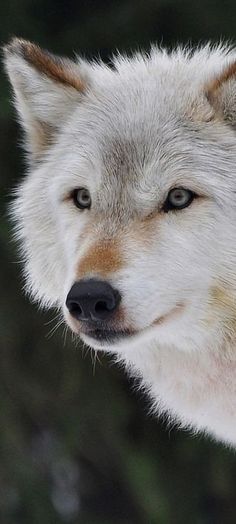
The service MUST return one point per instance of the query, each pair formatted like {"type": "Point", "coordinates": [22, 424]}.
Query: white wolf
{"type": "Point", "coordinates": [127, 216]}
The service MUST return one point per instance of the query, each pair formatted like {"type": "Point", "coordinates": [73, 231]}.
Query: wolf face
{"type": "Point", "coordinates": [127, 215]}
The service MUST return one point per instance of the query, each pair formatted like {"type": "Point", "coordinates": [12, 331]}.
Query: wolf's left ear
{"type": "Point", "coordinates": [221, 94]}
{"type": "Point", "coordinates": [47, 89]}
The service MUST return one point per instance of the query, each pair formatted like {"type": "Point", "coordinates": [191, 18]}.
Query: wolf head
{"type": "Point", "coordinates": [127, 215]}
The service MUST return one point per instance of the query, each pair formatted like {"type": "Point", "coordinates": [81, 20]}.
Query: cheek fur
{"type": "Point", "coordinates": [222, 305]}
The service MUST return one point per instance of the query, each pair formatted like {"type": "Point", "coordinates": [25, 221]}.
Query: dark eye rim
{"type": "Point", "coordinates": [74, 194]}
{"type": "Point", "coordinates": [168, 206]}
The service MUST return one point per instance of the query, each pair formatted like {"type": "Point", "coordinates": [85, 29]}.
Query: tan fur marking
{"type": "Point", "coordinates": [169, 316]}
{"type": "Point", "coordinates": [200, 111]}
{"type": "Point", "coordinates": [41, 137]}
{"type": "Point", "coordinates": [146, 229]}
{"type": "Point", "coordinates": [222, 299]}
{"type": "Point", "coordinates": [103, 258]}
{"type": "Point", "coordinates": [222, 307]}
{"type": "Point", "coordinates": [54, 67]}
{"type": "Point", "coordinates": [215, 84]}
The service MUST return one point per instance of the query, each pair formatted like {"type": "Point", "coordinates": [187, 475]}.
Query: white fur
{"type": "Point", "coordinates": [137, 132]}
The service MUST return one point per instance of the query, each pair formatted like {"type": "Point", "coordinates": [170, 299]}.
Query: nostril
{"type": "Point", "coordinates": [74, 308]}
{"type": "Point", "coordinates": [101, 306]}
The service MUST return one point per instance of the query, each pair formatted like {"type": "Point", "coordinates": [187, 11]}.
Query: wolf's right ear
{"type": "Point", "coordinates": [47, 89]}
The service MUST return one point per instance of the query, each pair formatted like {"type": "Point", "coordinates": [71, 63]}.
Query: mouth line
{"type": "Point", "coordinates": [108, 335]}
{"type": "Point", "coordinates": [102, 334]}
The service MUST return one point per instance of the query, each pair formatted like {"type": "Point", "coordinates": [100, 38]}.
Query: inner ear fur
{"type": "Point", "coordinates": [47, 88]}
{"type": "Point", "coordinates": [221, 93]}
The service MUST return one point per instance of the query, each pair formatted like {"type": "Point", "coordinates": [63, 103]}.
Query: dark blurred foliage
{"type": "Point", "coordinates": [76, 442]}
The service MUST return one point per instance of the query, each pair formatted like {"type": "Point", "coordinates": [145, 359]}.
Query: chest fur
{"type": "Point", "coordinates": [196, 390]}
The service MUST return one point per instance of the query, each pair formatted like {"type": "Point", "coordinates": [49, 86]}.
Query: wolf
{"type": "Point", "coordinates": [126, 217]}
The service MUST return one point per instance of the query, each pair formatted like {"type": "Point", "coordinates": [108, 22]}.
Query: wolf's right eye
{"type": "Point", "coordinates": [81, 198]}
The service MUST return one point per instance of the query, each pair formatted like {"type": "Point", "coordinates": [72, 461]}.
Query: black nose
{"type": "Point", "coordinates": [92, 300]}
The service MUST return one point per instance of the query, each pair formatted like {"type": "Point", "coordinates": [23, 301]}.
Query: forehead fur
{"type": "Point", "coordinates": [145, 96]}
{"type": "Point", "coordinates": [177, 77]}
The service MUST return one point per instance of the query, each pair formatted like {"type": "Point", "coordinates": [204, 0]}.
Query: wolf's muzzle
{"type": "Point", "coordinates": [92, 300]}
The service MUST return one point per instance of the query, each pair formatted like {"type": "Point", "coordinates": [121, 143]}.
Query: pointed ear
{"type": "Point", "coordinates": [47, 89]}
{"type": "Point", "coordinates": [221, 94]}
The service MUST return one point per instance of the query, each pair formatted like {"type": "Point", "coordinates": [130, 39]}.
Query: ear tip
{"type": "Point", "coordinates": [17, 47]}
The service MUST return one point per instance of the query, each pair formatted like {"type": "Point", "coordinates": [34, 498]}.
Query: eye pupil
{"type": "Point", "coordinates": [82, 198]}
{"type": "Point", "coordinates": [178, 198]}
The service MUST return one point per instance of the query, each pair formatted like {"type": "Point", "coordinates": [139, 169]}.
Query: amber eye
{"type": "Point", "coordinates": [81, 198]}
{"type": "Point", "coordinates": [178, 198]}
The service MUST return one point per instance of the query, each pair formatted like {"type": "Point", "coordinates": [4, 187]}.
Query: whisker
{"type": "Point", "coordinates": [54, 328]}
{"type": "Point", "coordinates": [94, 360]}
{"type": "Point", "coordinates": [64, 334]}
{"type": "Point", "coordinates": [57, 316]}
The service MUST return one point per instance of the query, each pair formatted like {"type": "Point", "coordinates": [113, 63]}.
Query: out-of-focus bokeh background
{"type": "Point", "coordinates": [76, 443]}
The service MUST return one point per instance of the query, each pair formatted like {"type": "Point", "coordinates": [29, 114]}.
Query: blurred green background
{"type": "Point", "coordinates": [76, 442]}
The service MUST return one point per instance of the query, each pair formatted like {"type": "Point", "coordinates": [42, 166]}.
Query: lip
{"type": "Point", "coordinates": [107, 335]}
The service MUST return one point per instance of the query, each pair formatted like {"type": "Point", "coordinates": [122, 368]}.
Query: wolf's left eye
{"type": "Point", "coordinates": [81, 198]}
{"type": "Point", "coordinates": [178, 198]}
